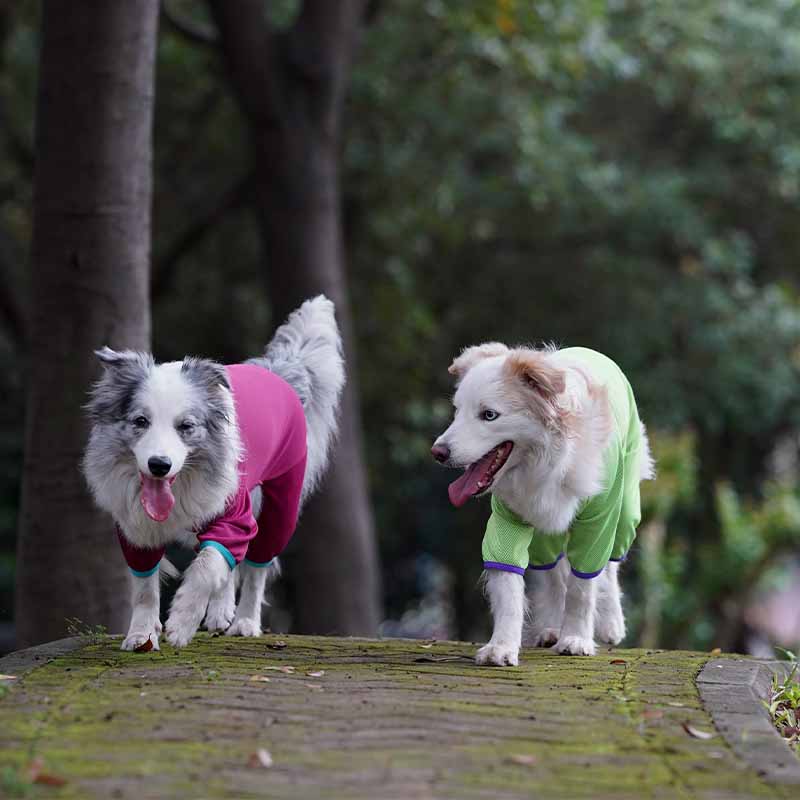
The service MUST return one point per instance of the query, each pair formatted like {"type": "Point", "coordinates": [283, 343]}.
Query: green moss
{"type": "Point", "coordinates": [384, 718]}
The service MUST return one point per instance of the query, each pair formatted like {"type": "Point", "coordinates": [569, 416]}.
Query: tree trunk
{"type": "Point", "coordinates": [90, 263]}
{"type": "Point", "coordinates": [291, 86]}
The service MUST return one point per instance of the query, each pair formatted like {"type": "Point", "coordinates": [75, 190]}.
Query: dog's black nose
{"type": "Point", "coordinates": [159, 466]}
{"type": "Point", "coordinates": [440, 452]}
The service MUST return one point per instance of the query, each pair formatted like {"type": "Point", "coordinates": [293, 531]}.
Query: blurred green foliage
{"type": "Point", "coordinates": [623, 175]}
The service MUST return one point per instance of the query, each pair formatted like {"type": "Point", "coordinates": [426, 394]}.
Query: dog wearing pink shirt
{"type": "Point", "coordinates": [220, 458]}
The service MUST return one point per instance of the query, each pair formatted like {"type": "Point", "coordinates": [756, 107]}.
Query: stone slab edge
{"type": "Point", "coordinates": [18, 663]}
{"type": "Point", "coordinates": [733, 691]}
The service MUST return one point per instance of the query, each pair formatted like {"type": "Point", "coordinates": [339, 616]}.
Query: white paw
{"type": "Point", "coordinates": [503, 655]}
{"type": "Point", "coordinates": [219, 616]}
{"type": "Point", "coordinates": [545, 638]}
{"type": "Point", "coordinates": [245, 627]}
{"type": "Point", "coordinates": [574, 646]}
{"type": "Point", "coordinates": [180, 629]}
{"type": "Point", "coordinates": [136, 639]}
{"type": "Point", "coordinates": [610, 630]}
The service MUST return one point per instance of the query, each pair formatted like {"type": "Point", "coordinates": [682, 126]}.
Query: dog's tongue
{"type": "Point", "coordinates": [466, 486]}
{"type": "Point", "coordinates": [157, 497]}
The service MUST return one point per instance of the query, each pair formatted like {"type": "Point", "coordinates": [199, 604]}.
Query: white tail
{"type": "Point", "coordinates": [306, 352]}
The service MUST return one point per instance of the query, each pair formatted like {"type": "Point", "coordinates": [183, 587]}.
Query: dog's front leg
{"type": "Point", "coordinates": [547, 605]}
{"type": "Point", "coordinates": [577, 630]}
{"type": "Point", "coordinates": [145, 625]}
{"type": "Point", "coordinates": [206, 575]}
{"type": "Point", "coordinates": [506, 593]}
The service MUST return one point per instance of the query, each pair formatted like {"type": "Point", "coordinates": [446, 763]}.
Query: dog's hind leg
{"type": "Point", "coordinates": [145, 625]}
{"type": "Point", "coordinates": [609, 619]}
{"type": "Point", "coordinates": [222, 606]}
{"type": "Point", "coordinates": [255, 579]}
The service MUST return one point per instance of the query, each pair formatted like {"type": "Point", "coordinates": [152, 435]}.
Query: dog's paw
{"type": "Point", "coordinates": [610, 630]}
{"type": "Point", "coordinates": [501, 655]}
{"type": "Point", "coordinates": [245, 627]}
{"type": "Point", "coordinates": [574, 646]}
{"type": "Point", "coordinates": [219, 616]}
{"type": "Point", "coordinates": [545, 638]}
{"type": "Point", "coordinates": [180, 630]}
{"type": "Point", "coordinates": [138, 639]}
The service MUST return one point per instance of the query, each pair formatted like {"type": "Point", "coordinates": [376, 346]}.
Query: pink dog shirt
{"type": "Point", "coordinates": [272, 427]}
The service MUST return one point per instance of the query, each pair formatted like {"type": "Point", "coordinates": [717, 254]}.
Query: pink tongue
{"type": "Point", "coordinates": [157, 497]}
{"type": "Point", "coordinates": [466, 486]}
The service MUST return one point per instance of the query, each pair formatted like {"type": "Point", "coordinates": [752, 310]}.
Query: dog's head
{"type": "Point", "coordinates": [164, 418]}
{"type": "Point", "coordinates": [506, 408]}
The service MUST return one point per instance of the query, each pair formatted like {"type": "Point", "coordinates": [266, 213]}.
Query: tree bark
{"type": "Point", "coordinates": [291, 87]}
{"type": "Point", "coordinates": [90, 286]}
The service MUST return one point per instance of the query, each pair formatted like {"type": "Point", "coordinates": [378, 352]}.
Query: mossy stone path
{"type": "Point", "coordinates": [385, 719]}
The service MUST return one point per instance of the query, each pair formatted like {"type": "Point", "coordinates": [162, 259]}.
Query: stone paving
{"type": "Point", "coordinates": [307, 717]}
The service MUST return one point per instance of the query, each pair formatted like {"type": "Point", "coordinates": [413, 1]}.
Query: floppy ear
{"type": "Point", "coordinates": [531, 367]}
{"type": "Point", "coordinates": [470, 356]}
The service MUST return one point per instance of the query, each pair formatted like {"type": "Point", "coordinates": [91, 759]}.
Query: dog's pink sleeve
{"type": "Point", "coordinates": [278, 517]}
{"type": "Point", "coordinates": [231, 532]}
{"type": "Point", "coordinates": [142, 561]}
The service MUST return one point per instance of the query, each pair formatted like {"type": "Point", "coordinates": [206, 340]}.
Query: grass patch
{"type": "Point", "coordinates": [784, 704]}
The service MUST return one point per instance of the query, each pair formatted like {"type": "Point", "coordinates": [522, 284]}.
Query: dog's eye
{"type": "Point", "coordinates": [186, 427]}
{"type": "Point", "coordinates": [489, 415]}
{"type": "Point", "coordinates": [141, 422]}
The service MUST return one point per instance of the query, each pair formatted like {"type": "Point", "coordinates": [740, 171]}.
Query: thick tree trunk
{"type": "Point", "coordinates": [336, 581]}
{"type": "Point", "coordinates": [292, 87]}
{"type": "Point", "coordinates": [90, 276]}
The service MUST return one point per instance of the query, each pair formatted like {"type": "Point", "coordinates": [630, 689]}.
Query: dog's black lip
{"type": "Point", "coordinates": [494, 474]}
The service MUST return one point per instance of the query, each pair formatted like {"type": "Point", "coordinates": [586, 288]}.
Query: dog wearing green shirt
{"type": "Point", "coordinates": [555, 437]}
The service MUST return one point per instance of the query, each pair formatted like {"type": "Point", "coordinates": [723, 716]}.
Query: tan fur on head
{"type": "Point", "coordinates": [470, 356]}
{"type": "Point", "coordinates": [531, 366]}
{"type": "Point", "coordinates": [538, 385]}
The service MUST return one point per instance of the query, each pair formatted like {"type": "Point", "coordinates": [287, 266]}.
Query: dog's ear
{"type": "Point", "coordinates": [532, 367]}
{"type": "Point", "coordinates": [204, 372]}
{"type": "Point", "coordinates": [470, 356]}
{"type": "Point", "coordinates": [119, 358]}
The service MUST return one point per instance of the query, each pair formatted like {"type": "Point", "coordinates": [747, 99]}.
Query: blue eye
{"type": "Point", "coordinates": [489, 415]}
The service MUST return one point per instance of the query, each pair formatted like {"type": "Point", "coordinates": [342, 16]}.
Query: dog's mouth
{"type": "Point", "coordinates": [156, 496]}
{"type": "Point", "coordinates": [479, 476]}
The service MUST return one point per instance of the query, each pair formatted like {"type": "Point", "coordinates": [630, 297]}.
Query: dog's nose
{"type": "Point", "coordinates": [159, 466]}
{"type": "Point", "coordinates": [441, 452]}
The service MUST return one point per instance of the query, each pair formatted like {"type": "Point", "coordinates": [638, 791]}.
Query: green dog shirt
{"type": "Point", "coordinates": [605, 526]}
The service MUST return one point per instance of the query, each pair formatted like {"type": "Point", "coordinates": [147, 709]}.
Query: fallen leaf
{"type": "Point", "coordinates": [260, 678]}
{"type": "Point", "coordinates": [652, 713]}
{"type": "Point", "coordinates": [144, 647]}
{"type": "Point", "coordinates": [48, 779]}
{"type": "Point", "coordinates": [716, 651]}
{"type": "Point", "coordinates": [36, 774]}
{"type": "Point", "coordinates": [279, 645]}
{"type": "Point", "coordinates": [8, 677]}
{"type": "Point", "coordinates": [313, 685]}
{"type": "Point", "coordinates": [696, 733]}
{"type": "Point", "coordinates": [287, 669]}
{"type": "Point", "coordinates": [317, 674]}
{"type": "Point", "coordinates": [427, 646]}
{"type": "Point", "coordinates": [676, 704]}
{"type": "Point", "coordinates": [261, 758]}
{"type": "Point", "coordinates": [522, 759]}
{"type": "Point", "coordinates": [618, 661]}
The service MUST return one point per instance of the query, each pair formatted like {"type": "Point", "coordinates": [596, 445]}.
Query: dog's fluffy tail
{"type": "Point", "coordinates": [306, 352]}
